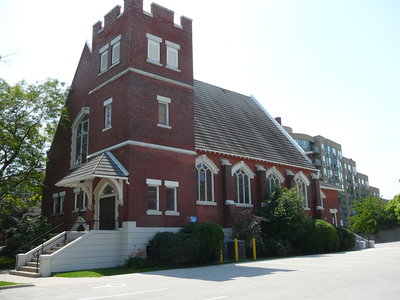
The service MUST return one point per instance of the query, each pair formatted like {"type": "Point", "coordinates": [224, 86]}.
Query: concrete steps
{"type": "Point", "coordinates": [31, 268]}
{"type": "Point", "coordinates": [24, 273]}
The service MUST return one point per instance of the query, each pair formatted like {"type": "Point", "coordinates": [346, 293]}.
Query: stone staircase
{"type": "Point", "coordinates": [31, 269]}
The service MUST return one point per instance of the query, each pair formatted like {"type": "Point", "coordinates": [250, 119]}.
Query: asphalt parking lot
{"type": "Point", "coordinates": [365, 274]}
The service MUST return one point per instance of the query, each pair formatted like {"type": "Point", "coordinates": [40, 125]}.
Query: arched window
{"type": "Point", "coordinates": [273, 183]}
{"type": "Point", "coordinates": [206, 169]}
{"type": "Point", "coordinates": [107, 191]}
{"type": "Point", "coordinates": [80, 138]}
{"type": "Point", "coordinates": [242, 189]}
{"type": "Point", "coordinates": [274, 180]}
{"type": "Point", "coordinates": [241, 183]}
{"type": "Point", "coordinates": [205, 183]}
{"type": "Point", "coordinates": [302, 182]}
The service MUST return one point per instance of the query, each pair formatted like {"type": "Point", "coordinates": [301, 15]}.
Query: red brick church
{"type": "Point", "coordinates": [147, 145]}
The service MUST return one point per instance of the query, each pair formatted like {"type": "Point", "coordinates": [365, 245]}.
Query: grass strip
{"type": "Point", "coordinates": [105, 272]}
{"type": "Point", "coordinates": [7, 283]}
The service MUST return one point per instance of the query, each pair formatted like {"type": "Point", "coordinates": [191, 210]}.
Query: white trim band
{"type": "Point", "coordinates": [145, 145]}
{"type": "Point", "coordinates": [144, 73]}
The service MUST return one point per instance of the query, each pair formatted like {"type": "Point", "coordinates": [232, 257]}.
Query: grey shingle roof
{"type": "Point", "coordinates": [231, 123]}
{"type": "Point", "coordinates": [105, 165]}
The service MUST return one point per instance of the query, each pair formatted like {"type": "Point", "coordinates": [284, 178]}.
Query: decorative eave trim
{"type": "Point", "coordinates": [142, 144]}
{"type": "Point", "coordinates": [253, 158]}
{"type": "Point", "coordinates": [287, 135]}
{"type": "Point", "coordinates": [144, 73]}
{"type": "Point", "coordinates": [71, 182]}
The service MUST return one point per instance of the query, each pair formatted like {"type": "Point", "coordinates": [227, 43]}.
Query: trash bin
{"type": "Point", "coordinates": [229, 250]}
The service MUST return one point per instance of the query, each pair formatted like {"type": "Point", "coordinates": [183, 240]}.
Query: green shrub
{"type": "Point", "coordinates": [272, 247]}
{"type": "Point", "coordinates": [138, 262]}
{"type": "Point", "coordinates": [167, 248]}
{"type": "Point", "coordinates": [322, 238]}
{"type": "Point", "coordinates": [211, 236]}
{"type": "Point", "coordinates": [7, 263]}
{"type": "Point", "coordinates": [347, 240]}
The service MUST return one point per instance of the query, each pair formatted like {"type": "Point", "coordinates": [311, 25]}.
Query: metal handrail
{"type": "Point", "coordinates": [37, 253]}
{"type": "Point", "coordinates": [38, 237]}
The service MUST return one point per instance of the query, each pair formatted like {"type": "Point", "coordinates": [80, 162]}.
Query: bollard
{"type": "Point", "coordinates": [253, 245]}
{"type": "Point", "coordinates": [236, 249]}
{"type": "Point", "coordinates": [221, 257]}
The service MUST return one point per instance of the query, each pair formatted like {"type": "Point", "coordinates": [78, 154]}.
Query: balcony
{"type": "Point", "coordinates": [316, 162]}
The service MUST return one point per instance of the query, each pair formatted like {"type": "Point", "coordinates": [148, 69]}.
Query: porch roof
{"type": "Point", "coordinates": [104, 166]}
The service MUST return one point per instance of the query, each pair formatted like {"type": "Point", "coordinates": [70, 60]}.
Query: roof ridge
{"type": "Point", "coordinates": [216, 86]}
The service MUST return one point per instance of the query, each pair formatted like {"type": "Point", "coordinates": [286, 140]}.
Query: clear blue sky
{"type": "Point", "coordinates": [329, 68]}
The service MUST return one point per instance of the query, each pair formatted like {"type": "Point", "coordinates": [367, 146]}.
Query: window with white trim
{"type": "Point", "coordinates": [273, 183]}
{"type": "Point", "coordinates": [81, 141]}
{"type": "Point", "coordinates": [172, 198]}
{"type": "Point", "coordinates": [77, 192]}
{"type": "Point", "coordinates": [302, 183]}
{"type": "Point", "coordinates": [153, 196]}
{"type": "Point", "coordinates": [55, 204]}
{"type": "Point", "coordinates": [115, 50]}
{"type": "Point", "coordinates": [163, 111]}
{"type": "Point", "coordinates": [205, 183]}
{"type": "Point", "coordinates": [104, 58]}
{"type": "Point", "coordinates": [172, 55]}
{"type": "Point", "coordinates": [62, 201]}
{"type": "Point", "coordinates": [153, 48]}
{"type": "Point", "coordinates": [84, 201]}
{"type": "Point", "coordinates": [242, 189]}
{"type": "Point", "coordinates": [107, 114]}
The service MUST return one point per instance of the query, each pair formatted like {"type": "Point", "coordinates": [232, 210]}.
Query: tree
{"type": "Point", "coordinates": [285, 224]}
{"type": "Point", "coordinates": [370, 216]}
{"type": "Point", "coordinates": [392, 210]}
{"type": "Point", "coordinates": [29, 114]}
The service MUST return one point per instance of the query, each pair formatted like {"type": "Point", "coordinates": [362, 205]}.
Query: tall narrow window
{"type": "Point", "coordinates": [241, 183]}
{"type": "Point", "coordinates": [55, 204]}
{"type": "Point", "coordinates": [302, 182]}
{"type": "Point", "coordinates": [81, 141]}
{"type": "Point", "coordinates": [107, 113]}
{"type": "Point", "coordinates": [76, 199]}
{"type": "Point", "coordinates": [115, 50]}
{"type": "Point", "coordinates": [153, 196]}
{"type": "Point", "coordinates": [153, 48]}
{"type": "Point", "coordinates": [62, 201]}
{"type": "Point", "coordinates": [172, 197]}
{"type": "Point", "coordinates": [84, 201]}
{"type": "Point", "coordinates": [273, 183]}
{"type": "Point", "coordinates": [204, 183]}
{"type": "Point", "coordinates": [163, 111]}
{"type": "Point", "coordinates": [103, 58]}
{"type": "Point", "coordinates": [172, 55]}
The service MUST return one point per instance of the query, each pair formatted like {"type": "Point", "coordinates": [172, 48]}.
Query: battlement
{"type": "Point", "coordinates": [157, 11]}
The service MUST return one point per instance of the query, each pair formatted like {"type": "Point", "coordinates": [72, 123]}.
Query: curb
{"type": "Point", "coordinates": [16, 286]}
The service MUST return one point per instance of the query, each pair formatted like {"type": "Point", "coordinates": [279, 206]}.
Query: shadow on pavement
{"type": "Point", "coordinates": [219, 273]}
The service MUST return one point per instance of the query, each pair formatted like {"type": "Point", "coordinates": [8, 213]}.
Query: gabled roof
{"type": "Point", "coordinates": [230, 123]}
{"type": "Point", "coordinates": [105, 166]}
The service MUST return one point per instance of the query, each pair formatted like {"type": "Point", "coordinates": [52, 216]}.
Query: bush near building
{"type": "Point", "coordinates": [282, 228]}
{"type": "Point", "coordinates": [195, 243]}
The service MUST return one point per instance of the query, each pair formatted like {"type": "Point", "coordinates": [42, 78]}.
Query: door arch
{"type": "Point", "coordinates": [107, 207]}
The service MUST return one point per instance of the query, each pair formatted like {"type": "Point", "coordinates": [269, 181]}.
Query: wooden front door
{"type": "Point", "coordinates": [107, 213]}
